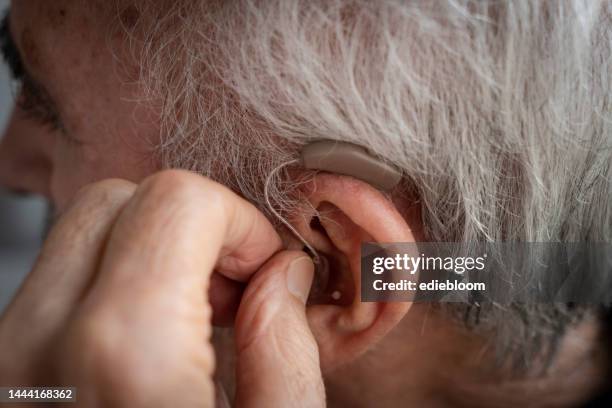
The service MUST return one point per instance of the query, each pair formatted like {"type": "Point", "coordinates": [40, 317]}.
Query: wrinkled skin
{"type": "Point", "coordinates": [128, 320]}
{"type": "Point", "coordinates": [101, 322]}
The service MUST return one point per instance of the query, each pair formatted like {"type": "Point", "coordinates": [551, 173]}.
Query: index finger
{"type": "Point", "coordinates": [175, 228]}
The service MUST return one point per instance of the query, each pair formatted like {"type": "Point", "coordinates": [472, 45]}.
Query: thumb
{"type": "Point", "coordinates": [278, 357]}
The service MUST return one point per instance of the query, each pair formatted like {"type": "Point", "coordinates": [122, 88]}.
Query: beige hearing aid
{"type": "Point", "coordinates": [350, 160]}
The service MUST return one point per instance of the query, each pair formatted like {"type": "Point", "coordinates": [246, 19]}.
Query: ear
{"type": "Point", "coordinates": [339, 214]}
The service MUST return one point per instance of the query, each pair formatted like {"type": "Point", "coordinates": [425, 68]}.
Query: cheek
{"type": "Point", "coordinates": [74, 166]}
{"type": "Point", "coordinates": [78, 165]}
{"type": "Point", "coordinates": [108, 135]}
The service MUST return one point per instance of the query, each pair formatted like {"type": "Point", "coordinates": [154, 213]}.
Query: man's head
{"type": "Point", "coordinates": [497, 113]}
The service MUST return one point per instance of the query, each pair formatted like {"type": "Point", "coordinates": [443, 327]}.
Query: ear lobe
{"type": "Point", "coordinates": [348, 213]}
{"type": "Point", "coordinates": [344, 333]}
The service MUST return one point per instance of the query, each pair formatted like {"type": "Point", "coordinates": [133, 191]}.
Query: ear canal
{"type": "Point", "coordinates": [325, 288]}
{"type": "Point", "coordinates": [320, 281]}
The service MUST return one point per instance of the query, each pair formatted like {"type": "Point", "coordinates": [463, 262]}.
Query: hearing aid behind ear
{"type": "Point", "coordinates": [350, 160]}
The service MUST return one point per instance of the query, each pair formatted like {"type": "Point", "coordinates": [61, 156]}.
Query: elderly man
{"type": "Point", "coordinates": [496, 113]}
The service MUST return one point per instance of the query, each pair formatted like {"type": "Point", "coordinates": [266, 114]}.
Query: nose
{"type": "Point", "coordinates": [25, 157]}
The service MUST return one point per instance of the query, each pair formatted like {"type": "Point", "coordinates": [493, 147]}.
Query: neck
{"type": "Point", "coordinates": [429, 361]}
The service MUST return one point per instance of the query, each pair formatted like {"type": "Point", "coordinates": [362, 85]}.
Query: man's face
{"type": "Point", "coordinates": [77, 119]}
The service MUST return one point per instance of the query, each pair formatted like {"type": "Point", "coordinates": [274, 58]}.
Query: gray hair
{"type": "Point", "coordinates": [499, 113]}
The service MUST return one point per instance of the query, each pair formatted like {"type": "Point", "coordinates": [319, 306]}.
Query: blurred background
{"type": "Point", "coordinates": [21, 218]}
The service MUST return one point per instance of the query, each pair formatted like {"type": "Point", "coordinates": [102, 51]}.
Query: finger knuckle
{"type": "Point", "coordinates": [97, 338]}
{"type": "Point", "coordinates": [170, 183]}
{"type": "Point", "coordinates": [97, 351]}
{"type": "Point", "coordinates": [171, 186]}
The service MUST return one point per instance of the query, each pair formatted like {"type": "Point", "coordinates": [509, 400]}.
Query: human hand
{"type": "Point", "coordinates": [118, 302]}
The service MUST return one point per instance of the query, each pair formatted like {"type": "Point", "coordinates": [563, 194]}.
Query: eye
{"type": "Point", "coordinates": [9, 50]}
{"type": "Point", "coordinates": [36, 105]}
{"type": "Point", "coordinates": [33, 99]}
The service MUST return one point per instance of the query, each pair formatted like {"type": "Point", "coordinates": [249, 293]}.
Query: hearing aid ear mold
{"type": "Point", "coordinates": [321, 279]}
{"type": "Point", "coordinates": [350, 160]}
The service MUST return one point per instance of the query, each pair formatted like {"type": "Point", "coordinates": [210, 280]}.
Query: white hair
{"type": "Point", "coordinates": [498, 112]}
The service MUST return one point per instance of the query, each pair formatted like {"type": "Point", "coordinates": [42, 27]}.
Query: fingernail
{"type": "Point", "coordinates": [299, 277]}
